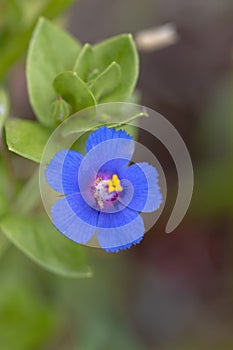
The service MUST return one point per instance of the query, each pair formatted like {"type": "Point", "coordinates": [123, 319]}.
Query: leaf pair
{"type": "Point", "coordinates": [63, 77]}
{"type": "Point", "coordinates": [58, 65]}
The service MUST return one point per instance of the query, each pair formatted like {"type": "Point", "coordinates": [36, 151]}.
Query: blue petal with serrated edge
{"type": "Point", "coordinates": [62, 171]}
{"type": "Point", "coordinates": [123, 247]}
{"type": "Point", "coordinates": [74, 218]}
{"type": "Point", "coordinates": [143, 178]}
{"type": "Point", "coordinates": [121, 217]}
{"type": "Point", "coordinates": [104, 134]}
{"type": "Point", "coordinates": [116, 238]}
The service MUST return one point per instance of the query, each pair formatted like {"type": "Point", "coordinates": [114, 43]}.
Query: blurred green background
{"type": "Point", "coordinates": [172, 291]}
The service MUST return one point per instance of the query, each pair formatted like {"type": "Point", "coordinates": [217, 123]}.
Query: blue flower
{"type": "Point", "coordinates": [102, 194]}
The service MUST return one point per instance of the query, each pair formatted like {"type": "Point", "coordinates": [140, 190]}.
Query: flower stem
{"type": "Point", "coordinates": [29, 195]}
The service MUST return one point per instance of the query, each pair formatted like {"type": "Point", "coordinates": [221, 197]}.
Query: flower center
{"type": "Point", "coordinates": [106, 190]}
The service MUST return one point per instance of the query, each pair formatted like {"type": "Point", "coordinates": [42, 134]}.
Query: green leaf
{"type": "Point", "coordinates": [122, 50]}
{"type": "Point", "coordinates": [106, 82]}
{"type": "Point", "coordinates": [4, 108]}
{"type": "Point", "coordinates": [84, 62]}
{"type": "Point", "coordinates": [55, 7]}
{"type": "Point", "coordinates": [74, 91]}
{"type": "Point", "coordinates": [26, 138]}
{"type": "Point", "coordinates": [51, 52]}
{"type": "Point", "coordinates": [39, 239]}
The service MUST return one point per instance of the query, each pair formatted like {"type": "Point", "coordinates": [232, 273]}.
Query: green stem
{"type": "Point", "coordinates": [29, 196]}
{"type": "Point", "coordinates": [7, 162]}
{"type": "Point", "coordinates": [4, 244]}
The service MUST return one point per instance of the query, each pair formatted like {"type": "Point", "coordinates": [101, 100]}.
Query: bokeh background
{"type": "Point", "coordinates": [172, 291]}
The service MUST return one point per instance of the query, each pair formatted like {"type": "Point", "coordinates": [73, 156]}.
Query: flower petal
{"type": "Point", "coordinates": [120, 217]}
{"type": "Point", "coordinates": [119, 237]}
{"type": "Point", "coordinates": [104, 134]}
{"type": "Point", "coordinates": [113, 149]}
{"type": "Point", "coordinates": [74, 218]}
{"type": "Point", "coordinates": [123, 247]}
{"type": "Point", "coordinates": [146, 192]}
{"type": "Point", "coordinates": [62, 171]}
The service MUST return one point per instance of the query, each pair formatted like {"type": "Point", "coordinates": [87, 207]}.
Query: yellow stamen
{"type": "Point", "coordinates": [114, 184]}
